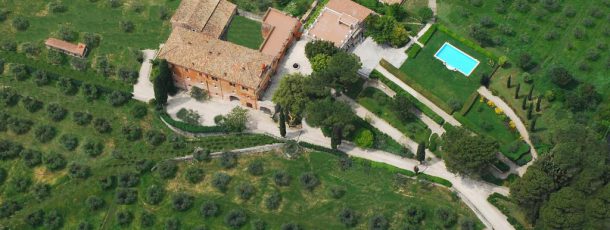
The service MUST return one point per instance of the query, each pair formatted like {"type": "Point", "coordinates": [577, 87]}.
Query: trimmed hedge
{"type": "Point", "coordinates": [413, 51]}
{"type": "Point", "coordinates": [426, 36]}
{"type": "Point", "coordinates": [493, 199]}
{"type": "Point", "coordinates": [406, 79]}
{"type": "Point", "coordinates": [408, 173]}
{"type": "Point", "coordinates": [375, 75]}
{"type": "Point", "coordinates": [322, 149]}
{"type": "Point", "coordinates": [468, 43]}
{"type": "Point", "coordinates": [189, 127]}
{"type": "Point", "coordinates": [418, 104]}
{"type": "Point", "coordinates": [503, 167]}
{"type": "Point", "coordinates": [469, 103]}
{"type": "Point", "coordinates": [435, 179]}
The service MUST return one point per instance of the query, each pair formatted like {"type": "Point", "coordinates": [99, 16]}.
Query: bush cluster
{"type": "Point", "coordinates": [126, 196]}
{"type": "Point", "coordinates": [154, 194]}
{"type": "Point", "coordinates": [220, 181]}
{"type": "Point", "coordinates": [55, 161]}
{"type": "Point", "coordinates": [82, 118]}
{"type": "Point", "coordinates": [182, 202]}
{"type": "Point", "coordinates": [55, 112]}
{"type": "Point", "coordinates": [209, 209]}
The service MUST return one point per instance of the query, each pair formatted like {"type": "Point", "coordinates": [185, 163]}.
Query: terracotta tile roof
{"type": "Point", "coordinates": [337, 21]}
{"type": "Point", "coordinates": [278, 29]}
{"type": "Point", "coordinates": [218, 58]}
{"type": "Point", "coordinates": [76, 49]}
{"type": "Point", "coordinates": [206, 16]}
{"type": "Point", "coordinates": [390, 2]}
{"type": "Point", "coordinates": [350, 8]}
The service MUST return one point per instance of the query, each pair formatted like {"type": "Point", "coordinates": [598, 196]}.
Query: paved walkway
{"type": "Point", "coordinates": [143, 89]}
{"type": "Point", "coordinates": [448, 118]}
{"type": "Point", "coordinates": [518, 122]}
{"type": "Point", "coordinates": [371, 53]}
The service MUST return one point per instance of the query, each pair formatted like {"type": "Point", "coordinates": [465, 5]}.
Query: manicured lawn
{"type": "Point", "coordinates": [245, 32]}
{"type": "Point", "coordinates": [549, 36]}
{"type": "Point", "coordinates": [95, 17]}
{"type": "Point", "coordinates": [380, 104]}
{"type": "Point", "coordinates": [431, 75]}
{"type": "Point", "coordinates": [294, 7]}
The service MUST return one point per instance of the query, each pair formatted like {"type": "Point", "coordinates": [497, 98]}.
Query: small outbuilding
{"type": "Point", "coordinates": [76, 50]}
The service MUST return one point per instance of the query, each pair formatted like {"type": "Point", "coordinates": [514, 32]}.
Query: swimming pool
{"type": "Point", "coordinates": [455, 59]}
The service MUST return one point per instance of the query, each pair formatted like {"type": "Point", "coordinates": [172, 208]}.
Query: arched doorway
{"type": "Point", "coordinates": [249, 105]}
{"type": "Point", "coordinates": [233, 98]}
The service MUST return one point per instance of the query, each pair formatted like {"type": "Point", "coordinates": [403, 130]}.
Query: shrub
{"type": "Point", "coordinates": [413, 51]}
{"type": "Point", "coordinates": [172, 224]}
{"type": "Point", "coordinates": [259, 224]}
{"type": "Point", "coordinates": [69, 141]}
{"type": "Point", "coordinates": [4, 119]}
{"type": "Point", "coordinates": [189, 116]}
{"type": "Point", "coordinates": [117, 98]}
{"type": "Point", "coordinates": [189, 127]}
{"type": "Point", "coordinates": [256, 168]}
{"type": "Point", "coordinates": [155, 138]}
{"type": "Point", "coordinates": [309, 180]}
{"type": "Point", "coordinates": [446, 216]}
{"type": "Point", "coordinates": [337, 192]}
{"type": "Point", "coordinates": [52, 220]}
{"type": "Point", "coordinates": [199, 94]}
{"type": "Point", "coordinates": [364, 139]}
{"type": "Point", "coordinates": [90, 91]}
{"type": "Point", "coordinates": [115, 3]}
{"type": "Point", "coordinates": [85, 226]}
{"type": "Point", "coordinates": [127, 26]}
{"type": "Point", "coordinates": [236, 218]}
{"type": "Point", "coordinates": [9, 149]}
{"type": "Point", "coordinates": [9, 97]}
{"type": "Point", "coordinates": [291, 226]}
{"type": "Point", "coordinates": [132, 132]}
{"type": "Point", "coordinates": [124, 218]}
{"type": "Point", "coordinates": [128, 180]}
{"type": "Point", "coordinates": [281, 178]}
{"type": "Point", "coordinates": [55, 57]}
{"type": "Point", "coordinates": [82, 118]}
{"type": "Point", "coordinates": [35, 219]}
{"type": "Point", "coordinates": [21, 184]}
{"type": "Point", "coordinates": [348, 217]}
{"type": "Point", "coordinates": [93, 148]}
{"type": "Point", "coordinates": [107, 182]}
{"type": "Point", "coordinates": [20, 23]}
{"type": "Point", "coordinates": [55, 161]}
{"type": "Point", "coordinates": [415, 214]}
{"type": "Point", "coordinates": [560, 77]}
{"type": "Point", "coordinates": [31, 158]}
{"type": "Point", "coordinates": [102, 125]}
{"type": "Point", "coordinates": [79, 171]}
{"type": "Point", "coordinates": [273, 201]}
{"type": "Point", "coordinates": [378, 222]}
{"type": "Point", "coordinates": [8, 208]}
{"type": "Point", "coordinates": [41, 191]}
{"type": "Point", "coordinates": [67, 86]}
{"type": "Point", "coordinates": [8, 45]}
{"type": "Point", "coordinates": [139, 111]}
{"type": "Point", "coordinates": [245, 190]}
{"type": "Point", "coordinates": [201, 154]}
{"type": "Point", "coordinates": [209, 209]}
{"type": "Point", "coordinates": [57, 7]}
{"type": "Point", "coordinates": [320, 47]}
{"type": "Point", "coordinates": [167, 169]}
{"type": "Point", "coordinates": [31, 104]}
{"type": "Point", "coordinates": [193, 174]}
{"type": "Point", "coordinates": [182, 202]}
{"type": "Point", "coordinates": [144, 165]}
{"type": "Point", "coordinates": [228, 160]}
{"type": "Point", "coordinates": [3, 14]}
{"type": "Point", "coordinates": [154, 194]}
{"type": "Point", "coordinates": [19, 126]}
{"type": "Point", "coordinates": [45, 133]}
{"type": "Point", "coordinates": [220, 181]}
{"type": "Point", "coordinates": [56, 112]}
{"type": "Point", "coordinates": [94, 203]}
{"type": "Point", "coordinates": [126, 196]}
{"type": "Point", "coordinates": [18, 71]}
{"type": "Point", "coordinates": [66, 33]}
{"type": "Point", "coordinates": [147, 219]}
{"type": "Point", "coordinates": [91, 39]}
{"type": "Point", "coordinates": [128, 75]}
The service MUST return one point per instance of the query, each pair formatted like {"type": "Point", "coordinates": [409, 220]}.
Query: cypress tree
{"type": "Point", "coordinates": [524, 105]}
{"type": "Point", "coordinates": [335, 139]}
{"type": "Point", "coordinates": [517, 90]}
{"type": "Point", "coordinates": [529, 112]}
{"type": "Point", "coordinates": [529, 95]}
{"type": "Point", "coordinates": [421, 152]}
{"type": "Point", "coordinates": [533, 125]}
{"type": "Point", "coordinates": [160, 90]}
{"type": "Point", "coordinates": [282, 123]}
{"type": "Point", "coordinates": [538, 101]}
{"type": "Point", "coordinates": [508, 81]}
{"type": "Point", "coordinates": [163, 83]}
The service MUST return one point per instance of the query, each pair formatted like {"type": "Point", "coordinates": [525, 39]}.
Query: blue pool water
{"type": "Point", "coordinates": [455, 59]}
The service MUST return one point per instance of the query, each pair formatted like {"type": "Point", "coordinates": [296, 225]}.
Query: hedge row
{"type": "Point", "coordinates": [426, 36]}
{"type": "Point", "coordinates": [375, 75]}
{"type": "Point", "coordinates": [406, 79]}
{"type": "Point", "coordinates": [469, 103]}
{"type": "Point", "coordinates": [468, 43]}
{"type": "Point", "coordinates": [413, 51]}
{"type": "Point", "coordinates": [435, 179]}
{"type": "Point", "coordinates": [393, 169]}
{"type": "Point", "coordinates": [322, 149]}
{"type": "Point", "coordinates": [493, 199]}
{"type": "Point", "coordinates": [189, 127]}
{"type": "Point", "coordinates": [418, 104]}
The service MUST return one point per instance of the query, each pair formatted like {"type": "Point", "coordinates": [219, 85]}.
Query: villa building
{"type": "Point", "coordinates": [76, 50]}
{"type": "Point", "coordinates": [198, 57]}
{"type": "Point", "coordinates": [340, 22]}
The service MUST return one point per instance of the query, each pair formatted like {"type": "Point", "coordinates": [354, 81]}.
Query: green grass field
{"type": "Point", "coordinates": [380, 104]}
{"type": "Point", "coordinates": [548, 35]}
{"type": "Point", "coordinates": [431, 75]}
{"type": "Point", "coordinates": [97, 17]}
{"type": "Point", "coordinates": [245, 32]}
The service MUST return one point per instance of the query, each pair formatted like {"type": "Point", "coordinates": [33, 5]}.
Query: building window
{"type": "Point", "coordinates": [214, 79]}
{"type": "Point", "coordinates": [244, 88]}
{"type": "Point", "coordinates": [232, 84]}
{"type": "Point", "coordinates": [187, 70]}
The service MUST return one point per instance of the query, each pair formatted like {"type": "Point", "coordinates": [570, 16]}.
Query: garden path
{"type": "Point", "coordinates": [518, 123]}
{"type": "Point", "coordinates": [448, 118]}
{"type": "Point", "coordinates": [143, 89]}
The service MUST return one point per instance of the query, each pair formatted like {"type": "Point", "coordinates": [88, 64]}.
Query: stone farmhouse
{"type": "Point", "coordinates": [75, 50]}
{"type": "Point", "coordinates": [341, 22]}
{"type": "Point", "coordinates": [199, 57]}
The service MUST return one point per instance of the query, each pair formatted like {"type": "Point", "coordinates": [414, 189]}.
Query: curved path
{"type": "Point", "coordinates": [518, 122]}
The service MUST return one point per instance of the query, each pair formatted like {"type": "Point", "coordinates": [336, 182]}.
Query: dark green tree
{"type": "Point", "coordinates": [421, 152]}
{"type": "Point", "coordinates": [508, 81]}
{"type": "Point", "coordinates": [538, 101]}
{"type": "Point", "coordinates": [529, 112]}
{"type": "Point", "coordinates": [533, 125]}
{"type": "Point", "coordinates": [336, 136]}
{"type": "Point", "coordinates": [529, 95]}
{"type": "Point", "coordinates": [282, 123]}
{"type": "Point", "coordinates": [517, 90]}
{"type": "Point", "coordinates": [468, 154]}
{"type": "Point", "coordinates": [524, 104]}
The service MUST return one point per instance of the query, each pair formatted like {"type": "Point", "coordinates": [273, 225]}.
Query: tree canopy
{"type": "Point", "coordinates": [468, 154]}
